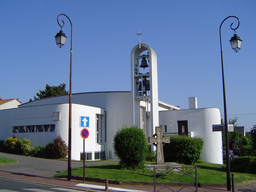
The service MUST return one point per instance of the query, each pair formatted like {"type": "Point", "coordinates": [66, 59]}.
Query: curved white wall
{"type": "Point", "coordinates": [43, 115]}
{"type": "Point", "coordinates": [200, 122]}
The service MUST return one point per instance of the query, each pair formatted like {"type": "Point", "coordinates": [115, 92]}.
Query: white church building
{"type": "Point", "coordinates": [104, 113]}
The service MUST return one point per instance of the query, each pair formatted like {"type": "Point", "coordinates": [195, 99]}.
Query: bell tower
{"type": "Point", "coordinates": [144, 87]}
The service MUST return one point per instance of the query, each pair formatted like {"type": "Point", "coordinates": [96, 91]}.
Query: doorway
{"type": "Point", "coordinates": [183, 128]}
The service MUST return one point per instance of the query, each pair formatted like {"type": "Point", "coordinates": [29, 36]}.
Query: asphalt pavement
{"type": "Point", "coordinates": [38, 170]}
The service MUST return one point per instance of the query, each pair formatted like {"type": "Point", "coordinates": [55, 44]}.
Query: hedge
{"type": "Point", "coordinates": [245, 164]}
{"type": "Point", "coordinates": [183, 149]}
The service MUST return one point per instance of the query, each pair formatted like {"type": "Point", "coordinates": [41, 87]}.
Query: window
{"type": "Point", "coordinates": [30, 129]}
{"type": "Point", "coordinates": [46, 127]}
{"type": "Point", "coordinates": [97, 155]}
{"type": "Point", "coordinates": [14, 129]}
{"type": "Point", "coordinates": [99, 128]}
{"type": "Point", "coordinates": [21, 129]}
{"type": "Point", "coordinates": [88, 156]}
{"type": "Point", "coordinates": [33, 128]}
{"type": "Point", "coordinates": [39, 128]}
{"type": "Point", "coordinates": [18, 129]}
{"type": "Point", "coordinates": [52, 128]}
{"type": "Point", "coordinates": [102, 155]}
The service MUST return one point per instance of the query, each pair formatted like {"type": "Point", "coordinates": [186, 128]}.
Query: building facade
{"type": "Point", "coordinates": [104, 113]}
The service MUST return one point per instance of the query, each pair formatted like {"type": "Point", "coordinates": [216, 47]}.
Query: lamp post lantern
{"type": "Point", "coordinates": [60, 39]}
{"type": "Point", "coordinates": [235, 42]}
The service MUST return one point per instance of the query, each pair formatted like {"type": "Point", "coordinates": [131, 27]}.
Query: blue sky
{"type": "Point", "coordinates": [184, 34]}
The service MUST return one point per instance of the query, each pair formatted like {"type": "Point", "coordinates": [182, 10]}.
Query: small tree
{"type": "Point", "coordinates": [130, 146]}
{"type": "Point", "coordinates": [57, 149]}
{"type": "Point", "coordinates": [232, 137]}
{"type": "Point", "coordinates": [50, 91]}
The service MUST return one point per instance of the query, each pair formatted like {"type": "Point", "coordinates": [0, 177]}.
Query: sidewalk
{"type": "Point", "coordinates": [40, 171]}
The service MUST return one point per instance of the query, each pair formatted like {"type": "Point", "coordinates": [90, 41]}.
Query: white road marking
{"type": "Point", "coordinates": [103, 188]}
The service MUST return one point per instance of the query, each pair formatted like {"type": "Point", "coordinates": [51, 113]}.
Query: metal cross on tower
{"type": "Point", "coordinates": [139, 38]}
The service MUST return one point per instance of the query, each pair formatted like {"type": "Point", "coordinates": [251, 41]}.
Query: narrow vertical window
{"type": "Point", "coordinates": [99, 128]}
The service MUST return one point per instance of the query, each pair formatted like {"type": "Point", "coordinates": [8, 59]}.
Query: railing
{"type": "Point", "coordinates": [175, 177]}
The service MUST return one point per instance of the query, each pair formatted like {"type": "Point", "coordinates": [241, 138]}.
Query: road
{"type": "Point", "coordinates": [34, 174]}
{"type": "Point", "coordinates": [39, 166]}
{"type": "Point", "coordinates": [12, 185]}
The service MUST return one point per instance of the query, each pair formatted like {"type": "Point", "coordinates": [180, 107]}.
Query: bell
{"type": "Point", "coordinates": [144, 63]}
{"type": "Point", "coordinates": [146, 84]}
{"type": "Point", "coordinates": [139, 87]}
{"type": "Point", "coordinates": [147, 87]}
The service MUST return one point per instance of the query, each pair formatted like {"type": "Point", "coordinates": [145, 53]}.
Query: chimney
{"type": "Point", "coordinates": [192, 102]}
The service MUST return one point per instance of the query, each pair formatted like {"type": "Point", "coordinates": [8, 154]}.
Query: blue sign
{"type": "Point", "coordinates": [84, 121]}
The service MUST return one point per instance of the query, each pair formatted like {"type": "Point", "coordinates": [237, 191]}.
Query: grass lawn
{"type": "Point", "coordinates": [207, 173]}
{"type": "Point", "coordinates": [5, 160]}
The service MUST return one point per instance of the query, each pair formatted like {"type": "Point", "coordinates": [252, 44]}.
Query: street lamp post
{"type": "Point", "coordinates": [236, 46]}
{"type": "Point", "coordinates": [60, 41]}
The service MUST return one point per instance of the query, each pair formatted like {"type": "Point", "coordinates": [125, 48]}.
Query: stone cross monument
{"type": "Point", "coordinates": [158, 140]}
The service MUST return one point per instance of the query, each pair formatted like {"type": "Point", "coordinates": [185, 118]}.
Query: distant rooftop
{"type": "Point", "coordinates": [2, 101]}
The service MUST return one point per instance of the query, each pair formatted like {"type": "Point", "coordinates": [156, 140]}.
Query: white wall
{"type": "Point", "coordinates": [91, 145]}
{"type": "Point", "coordinates": [200, 122]}
{"type": "Point", "coordinates": [10, 104]}
{"type": "Point", "coordinates": [42, 115]}
{"type": "Point", "coordinates": [118, 115]}
{"type": "Point", "coordinates": [24, 117]}
{"type": "Point", "coordinates": [118, 107]}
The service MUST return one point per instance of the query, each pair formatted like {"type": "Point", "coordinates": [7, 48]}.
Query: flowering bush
{"type": "Point", "coordinates": [57, 149]}
{"type": "Point", "coordinates": [10, 144]}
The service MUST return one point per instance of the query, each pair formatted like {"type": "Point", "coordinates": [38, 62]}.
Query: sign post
{"type": "Point", "coordinates": [84, 159]}
{"type": "Point", "coordinates": [84, 135]}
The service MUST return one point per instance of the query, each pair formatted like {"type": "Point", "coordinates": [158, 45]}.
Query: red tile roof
{"type": "Point", "coordinates": [7, 100]}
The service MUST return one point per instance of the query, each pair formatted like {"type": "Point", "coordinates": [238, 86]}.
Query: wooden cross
{"type": "Point", "coordinates": [159, 140]}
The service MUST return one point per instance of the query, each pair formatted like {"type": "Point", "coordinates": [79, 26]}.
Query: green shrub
{"type": "Point", "coordinates": [18, 146]}
{"type": "Point", "coordinates": [131, 147]}
{"type": "Point", "coordinates": [2, 146]}
{"type": "Point", "coordinates": [183, 149]}
{"type": "Point", "coordinates": [245, 164]}
{"type": "Point", "coordinates": [48, 150]}
{"type": "Point", "coordinates": [57, 149]}
{"type": "Point", "coordinates": [151, 156]}
{"type": "Point", "coordinates": [10, 144]}
{"type": "Point", "coordinates": [38, 151]}
{"type": "Point", "coordinates": [23, 147]}
{"type": "Point", "coordinates": [248, 151]}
